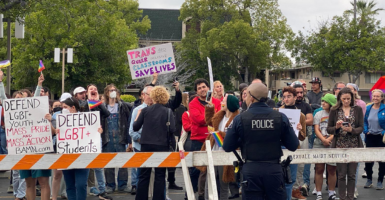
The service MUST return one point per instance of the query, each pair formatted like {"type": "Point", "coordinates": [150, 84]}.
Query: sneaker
{"type": "Point", "coordinates": [368, 184]}
{"type": "Point", "coordinates": [173, 186]}
{"type": "Point", "coordinates": [379, 186]}
{"type": "Point", "coordinates": [133, 190]}
{"type": "Point", "coordinates": [319, 197]}
{"type": "Point", "coordinates": [296, 194]}
{"type": "Point", "coordinates": [314, 192]}
{"type": "Point", "coordinates": [109, 190]}
{"type": "Point", "coordinates": [305, 190]}
{"type": "Point", "coordinates": [364, 175]}
{"type": "Point", "coordinates": [332, 197]}
{"type": "Point", "coordinates": [63, 196]}
{"type": "Point", "coordinates": [356, 193]}
{"type": "Point", "coordinates": [104, 196]}
{"type": "Point", "coordinates": [94, 192]}
{"type": "Point", "coordinates": [10, 189]}
{"type": "Point", "coordinates": [201, 198]}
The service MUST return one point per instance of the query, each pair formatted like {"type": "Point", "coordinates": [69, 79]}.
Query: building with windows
{"type": "Point", "coordinates": [279, 79]}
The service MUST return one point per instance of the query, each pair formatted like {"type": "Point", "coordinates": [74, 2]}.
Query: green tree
{"type": "Point", "coordinates": [366, 11]}
{"type": "Point", "coordinates": [235, 36]}
{"type": "Point", "coordinates": [99, 31]}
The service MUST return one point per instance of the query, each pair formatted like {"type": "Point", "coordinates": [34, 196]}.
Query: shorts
{"type": "Point", "coordinates": [35, 173]}
{"type": "Point", "coordinates": [318, 145]}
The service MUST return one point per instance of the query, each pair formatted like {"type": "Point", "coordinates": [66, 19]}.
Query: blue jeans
{"type": "Point", "coordinates": [135, 174]}
{"type": "Point", "coordinates": [306, 171]}
{"type": "Point", "coordinates": [99, 173]}
{"type": "Point", "coordinates": [3, 141]}
{"type": "Point", "coordinates": [289, 187]}
{"type": "Point", "coordinates": [76, 183]}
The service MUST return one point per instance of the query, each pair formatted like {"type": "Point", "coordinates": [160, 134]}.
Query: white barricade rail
{"type": "Point", "coordinates": [168, 159]}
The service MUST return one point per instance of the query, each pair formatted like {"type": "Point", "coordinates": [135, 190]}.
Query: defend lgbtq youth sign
{"type": "Point", "coordinates": [28, 132]}
{"type": "Point", "coordinates": [78, 133]}
{"type": "Point", "coordinates": [146, 61]}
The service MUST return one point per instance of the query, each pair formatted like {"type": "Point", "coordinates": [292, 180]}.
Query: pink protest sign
{"type": "Point", "coordinates": [146, 61]}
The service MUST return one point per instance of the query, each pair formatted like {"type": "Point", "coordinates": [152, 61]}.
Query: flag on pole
{"type": "Point", "coordinates": [5, 63]}
{"type": "Point", "coordinates": [93, 104]}
{"type": "Point", "coordinates": [218, 138]}
{"type": "Point", "coordinates": [41, 66]}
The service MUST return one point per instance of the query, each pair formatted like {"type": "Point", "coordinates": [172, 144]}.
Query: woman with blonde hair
{"type": "Point", "coordinates": [374, 129]}
{"type": "Point", "coordinates": [218, 90]}
{"type": "Point", "coordinates": [158, 128]}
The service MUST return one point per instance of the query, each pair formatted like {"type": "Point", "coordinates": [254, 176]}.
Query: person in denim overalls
{"type": "Point", "coordinates": [116, 136]}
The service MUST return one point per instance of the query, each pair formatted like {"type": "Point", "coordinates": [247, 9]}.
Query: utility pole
{"type": "Point", "coordinates": [8, 88]}
{"type": "Point", "coordinates": [355, 9]}
{"type": "Point", "coordinates": [69, 53]}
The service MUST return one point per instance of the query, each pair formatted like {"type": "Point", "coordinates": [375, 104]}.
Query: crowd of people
{"type": "Point", "coordinates": [155, 122]}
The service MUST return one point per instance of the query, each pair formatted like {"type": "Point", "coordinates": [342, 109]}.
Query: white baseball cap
{"type": "Point", "coordinates": [79, 90]}
{"type": "Point", "coordinates": [65, 96]}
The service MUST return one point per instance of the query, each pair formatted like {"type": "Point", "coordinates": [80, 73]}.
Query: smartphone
{"type": "Point", "coordinates": [176, 79]}
{"type": "Point", "coordinates": [208, 96]}
{"type": "Point", "coordinates": [345, 124]}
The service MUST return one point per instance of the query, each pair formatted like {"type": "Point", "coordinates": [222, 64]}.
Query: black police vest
{"type": "Point", "coordinates": [261, 139]}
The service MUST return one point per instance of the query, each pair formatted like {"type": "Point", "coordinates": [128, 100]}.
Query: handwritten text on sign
{"type": "Point", "coordinates": [28, 132]}
{"type": "Point", "coordinates": [146, 61]}
{"type": "Point", "coordinates": [78, 133]}
{"type": "Point", "coordinates": [294, 116]}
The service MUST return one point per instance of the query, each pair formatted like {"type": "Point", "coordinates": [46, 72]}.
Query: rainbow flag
{"type": "Point", "coordinates": [5, 63]}
{"type": "Point", "coordinates": [218, 138]}
{"type": "Point", "coordinates": [41, 66]}
{"type": "Point", "coordinates": [93, 104]}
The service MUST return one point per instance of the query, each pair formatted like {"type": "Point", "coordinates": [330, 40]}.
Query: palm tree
{"type": "Point", "coordinates": [365, 10]}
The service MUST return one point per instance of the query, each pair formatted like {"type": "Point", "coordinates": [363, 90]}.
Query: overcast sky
{"type": "Point", "coordinates": [299, 13]}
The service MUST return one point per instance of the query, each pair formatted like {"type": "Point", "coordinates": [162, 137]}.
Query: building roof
{"type": "Point", "coordinates": [165, 25]}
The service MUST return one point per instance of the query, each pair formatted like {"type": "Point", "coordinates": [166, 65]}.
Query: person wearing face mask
{"type": "Point", "coordinates": [81, 95]}
{"type": "Point", "coordinates": [115, 136]}
{"type": "Point", "coordinates": [75, 179]}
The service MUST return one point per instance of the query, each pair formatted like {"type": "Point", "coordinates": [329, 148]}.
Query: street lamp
{"type": "Point", "coordinates": [70, 52]}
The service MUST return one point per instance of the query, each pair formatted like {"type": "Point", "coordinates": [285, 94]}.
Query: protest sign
{"type": "Point", "coordinates": [78, 133]}
{"type": "Point", "coordinates": [293, 115]}
{"type": "Point", "coordinates": [210, 74]}
{"type": "Point", "coordinates": [146, 61]}
{"type": "Point", "coordinates": [27, 130]}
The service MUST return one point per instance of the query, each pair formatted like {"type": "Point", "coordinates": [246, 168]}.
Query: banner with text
{"type": "Point", "coordinates": [27, 130]}
{"type": "Point", "coordinates": [146, 61]}
{"type": "Point", "coordinates": [294, 116]}
{"type": "Point", "coordinates": [78, 133]}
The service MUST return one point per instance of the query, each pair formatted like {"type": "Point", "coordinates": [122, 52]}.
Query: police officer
{"type": "Point", "coordinates": [260, 132]}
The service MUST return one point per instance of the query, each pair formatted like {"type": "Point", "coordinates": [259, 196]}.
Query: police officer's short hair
{"type": "Point", "coordinates": [200, 81]}
{"type": "Point", "coordinates": [298, 86]}
{"type": "Point", "coordinates": [289, 90]}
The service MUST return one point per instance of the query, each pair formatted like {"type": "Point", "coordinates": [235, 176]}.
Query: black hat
{"type": "Point", "coordinates": [315, 80]}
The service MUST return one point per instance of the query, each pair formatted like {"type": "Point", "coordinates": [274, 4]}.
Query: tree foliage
{"type": "Point", "coordinates": [343, 45]}
{"type": "Point", "coordinates": [239, 36]}
{"type": "Point", "coordinates": [99, 31]}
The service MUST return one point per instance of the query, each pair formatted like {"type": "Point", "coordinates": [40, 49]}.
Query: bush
{"type": "Point", "coordinates": [128, 98]}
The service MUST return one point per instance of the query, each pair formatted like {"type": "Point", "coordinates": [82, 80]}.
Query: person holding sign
{"type": "Point", "coordinates": [346, 122]}
{"type": "Point", "coordinates": [260, 132]}
{"type": "Point", "coordinates": [324, 140]}
{"type": "Point", "coordinates": [75, 179]}
{"type": "Point", "coordinates": [156, 134]}
{"type": "Point", "coordinates": [220, 121]}
{"type": "Point", "coordinates": [289, 99]}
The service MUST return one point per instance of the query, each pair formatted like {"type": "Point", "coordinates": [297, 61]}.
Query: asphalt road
{"type": "Point", "coordinates": [365, 194]}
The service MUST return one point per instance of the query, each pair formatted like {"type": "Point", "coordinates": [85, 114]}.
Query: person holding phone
{"type": "Point", "coordinates": [324, 140]}
{"type": "Point", "coordinates": [374, 126]}
{"type": "Point", "coordinates": [346, 135]}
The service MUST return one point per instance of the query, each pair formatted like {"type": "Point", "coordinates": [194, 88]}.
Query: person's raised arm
{"type": "Point", "coordinates": [40, 81]}
{"type": "Point", "coordinates": [154, 79]}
